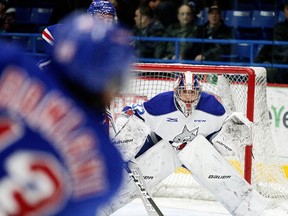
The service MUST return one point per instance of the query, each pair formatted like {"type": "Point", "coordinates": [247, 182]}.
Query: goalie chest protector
{"type": "Point", "coordinates": [168, 122]}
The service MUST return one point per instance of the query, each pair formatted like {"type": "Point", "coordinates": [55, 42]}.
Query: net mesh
{"type": "Point", "coordinates": [238, 88]}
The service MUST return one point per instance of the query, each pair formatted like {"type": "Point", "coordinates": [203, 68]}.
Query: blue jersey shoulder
{"type": "Point", "coordinates": [209, 104]}
{"type": "Point", "coordinates": [51, 30]}
{"type": "Point", "coordinates": [161, 104]}
{"type": "Point", "coordinates": [40, 147]}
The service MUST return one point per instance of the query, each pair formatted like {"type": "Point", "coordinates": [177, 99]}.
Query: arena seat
{"type": "Point", "coordinates": [23, 14]}
{"type": "Point", "coordinates": [40, 15]}
{"type": "Point", "coordinates": [263, 19]}
{"type": "Point", "coordinates": [202, 17]}
{"type": "Point", "coordinates": [281, 16]}
{"type": "Point", "coordinates": [244, 52]}
{"type": "Point", "coordinates": [238, 19]}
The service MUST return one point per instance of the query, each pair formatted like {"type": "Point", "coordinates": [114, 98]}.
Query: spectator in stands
{"type": "Point", "coordinates": [200, 5]}
{"type": "Point", "coordinates": [153, 3]}
{"type": "Point", "coordinates": [146, 26]}
{"type": "Point", "coordinates": [165, 11]}
{"type": "Point", "coordinates": [3, 8]}
{"type": "Point", "coordinates": [276, 54]}
{"type": "Point", "coordinates": [7, 17]}
{"type": "Point", "coordinates": [214, 28]}
{"type": "Point", "coordinates": [184, 28]}
{"type": "Point", "coordinates": [125, 10]}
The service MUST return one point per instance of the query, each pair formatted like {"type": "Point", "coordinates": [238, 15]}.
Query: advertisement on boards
{"type": "Point", "coordinates": [277, 100]}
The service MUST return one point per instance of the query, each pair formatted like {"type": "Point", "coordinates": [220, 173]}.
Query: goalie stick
{"type": "Point", "coordinates": [137, 177]}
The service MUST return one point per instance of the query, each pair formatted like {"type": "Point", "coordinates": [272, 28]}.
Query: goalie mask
{"type": "Point", "coordinates": [187, 92]}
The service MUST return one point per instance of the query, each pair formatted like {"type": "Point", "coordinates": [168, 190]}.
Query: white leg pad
{"type": "Point", "coordinates": [155, 164]}
{"type": "Point", "coordinates": [252, 205]}
{"type": "Point", "coordinates": [210, 169]}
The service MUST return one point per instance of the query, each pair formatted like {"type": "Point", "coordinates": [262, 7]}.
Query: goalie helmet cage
{"type": "Point", "coordinates": [241, 89]}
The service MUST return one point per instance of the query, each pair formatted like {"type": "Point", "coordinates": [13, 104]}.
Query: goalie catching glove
{"type": "Point", "coordinates": [235, 134]}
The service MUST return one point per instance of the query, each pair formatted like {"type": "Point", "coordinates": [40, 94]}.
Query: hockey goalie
{"type": "Point", "coordinates": [188, 127]}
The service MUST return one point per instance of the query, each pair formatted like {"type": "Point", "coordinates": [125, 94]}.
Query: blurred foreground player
{"type": "Point", "coordinates": [55, 157]}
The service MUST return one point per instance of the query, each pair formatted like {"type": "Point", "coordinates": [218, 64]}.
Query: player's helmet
{"type": "Point", "coordinates": [187, 92]}
{"type": "Point", "coordinates": [103, 9]}
{"type": "Point", "coordinates": [92, 54]}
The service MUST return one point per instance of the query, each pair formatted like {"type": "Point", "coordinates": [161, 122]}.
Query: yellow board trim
{"type": "Point", "coordinates": [285, 167]}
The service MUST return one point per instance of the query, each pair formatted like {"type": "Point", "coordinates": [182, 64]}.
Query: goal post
{"type": "Point", "coordinates": [241, 89]}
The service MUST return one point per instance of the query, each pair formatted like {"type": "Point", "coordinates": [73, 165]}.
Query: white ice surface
{"type": "Point", "coordinates": [186, 207]}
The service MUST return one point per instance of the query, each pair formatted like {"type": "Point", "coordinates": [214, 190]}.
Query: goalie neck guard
{"type": "Point", "coordinates": [187, 92]}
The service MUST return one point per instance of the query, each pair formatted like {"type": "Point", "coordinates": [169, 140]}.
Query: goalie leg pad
{"type": "Point", "coordinates": [155, 164]}
{"type": "Point", "coordinates": [211, 170]}
{"type": "Point", "coordinates": [131, 137]}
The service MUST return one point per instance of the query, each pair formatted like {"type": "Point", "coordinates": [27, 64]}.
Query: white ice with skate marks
{"type": "Point", "coordinates": [189, 207]}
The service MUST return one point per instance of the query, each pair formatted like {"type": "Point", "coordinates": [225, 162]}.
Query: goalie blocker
{"type": "Point", "coordinates": [131, 137]}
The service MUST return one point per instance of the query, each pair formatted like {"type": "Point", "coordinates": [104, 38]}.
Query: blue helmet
{"type": "Point", "coordinates": [91, 53]}
{"type": "Point", "coordinates": [102, 8]}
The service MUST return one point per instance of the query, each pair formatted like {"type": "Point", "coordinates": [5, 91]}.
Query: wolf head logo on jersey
{"type": "Point", "coordinates": [184, 137]}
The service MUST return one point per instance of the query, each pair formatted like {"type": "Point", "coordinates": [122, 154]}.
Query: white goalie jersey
{"type": "Point", "coordinates": [167, 121]}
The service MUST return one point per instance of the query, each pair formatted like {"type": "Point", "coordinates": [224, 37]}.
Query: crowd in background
{"type": "Point", "coordinates": [59, 108]}
{"type": "Point", "coordinates": [171, 18]}
{"type": "Point", "coordinates": [7, 17]}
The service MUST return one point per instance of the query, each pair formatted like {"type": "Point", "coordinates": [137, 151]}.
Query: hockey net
{"type": "Point", "coordinates": [241, 89]}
